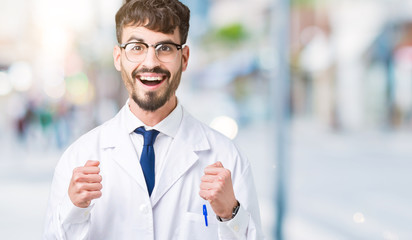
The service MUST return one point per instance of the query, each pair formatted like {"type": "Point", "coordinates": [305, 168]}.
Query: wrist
{"type": "Point", "coordinates": [231, 214]}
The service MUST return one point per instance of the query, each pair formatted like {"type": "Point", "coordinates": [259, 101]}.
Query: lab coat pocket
{"type": "Point", "coordinates": [194, 227]}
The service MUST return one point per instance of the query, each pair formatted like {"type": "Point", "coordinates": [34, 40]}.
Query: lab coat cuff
{"type": "Point", "coordinates": [235, 228]}
{"type": "Point", "coordinates": [71, 214]}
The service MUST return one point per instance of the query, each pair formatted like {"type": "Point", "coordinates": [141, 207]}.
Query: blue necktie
{"type": "Point", "coordinates": [147, 158]}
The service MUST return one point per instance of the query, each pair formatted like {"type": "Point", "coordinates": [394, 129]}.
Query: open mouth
{"type": "Point", "coordinates": [151, 80]}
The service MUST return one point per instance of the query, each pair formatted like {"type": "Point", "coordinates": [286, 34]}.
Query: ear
{"type": "Point", "coordinates": [117, 53]}
{"type": "Point", "coordinates": [185, 57]}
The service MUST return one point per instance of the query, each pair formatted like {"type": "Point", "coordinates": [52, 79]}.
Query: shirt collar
{"type": "Point", "coordinates": [168, 126]}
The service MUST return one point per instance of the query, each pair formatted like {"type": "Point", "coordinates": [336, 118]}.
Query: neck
{"type": "Point", "coordinates": [152, 118]}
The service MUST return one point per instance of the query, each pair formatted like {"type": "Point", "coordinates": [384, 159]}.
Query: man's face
{"type": "Point", "coordinates": [150, 83]}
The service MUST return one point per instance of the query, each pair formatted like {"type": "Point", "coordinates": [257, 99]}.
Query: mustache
{"type": "Point", "coordinates": [153, 70]}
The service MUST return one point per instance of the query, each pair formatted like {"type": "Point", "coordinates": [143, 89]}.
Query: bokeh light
{"type": "Point", "coordinates": [5, 85]}
{"type": "Point", "coordinates": [21, 76]}
{"type": "Point", "coordinates": [79, 89]}
{"type": "Point", "coordinates": [56, 90]}
{"type": "Point", "coordinates": [225, 125]}
{"type": "Point", "coordinates": [358, 217]}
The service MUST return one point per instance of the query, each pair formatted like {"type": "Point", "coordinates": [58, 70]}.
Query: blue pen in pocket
{"type": "Point", "coordinates": [205, 214]}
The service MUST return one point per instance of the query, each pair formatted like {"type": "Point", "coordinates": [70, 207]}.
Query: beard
{"type": "Point", "coordinates": [153, 100]}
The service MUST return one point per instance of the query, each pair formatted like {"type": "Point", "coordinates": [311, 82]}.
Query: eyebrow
{"type": "Point", "coordinates": [133, 38]}
{"type": "Point", "coordinates": [137, 39]}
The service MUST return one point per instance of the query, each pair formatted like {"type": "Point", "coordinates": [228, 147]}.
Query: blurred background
{"type": "Point", "coordinates": [316, 93]}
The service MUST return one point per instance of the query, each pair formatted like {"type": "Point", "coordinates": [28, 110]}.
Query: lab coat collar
{"type": "Point", "coordinates": [190, 139]}
{"type": "Point", "coordinates": [190, 131]}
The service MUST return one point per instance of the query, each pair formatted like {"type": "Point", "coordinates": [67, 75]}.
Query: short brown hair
{"type": "Point", "coordinates": [157, 15]}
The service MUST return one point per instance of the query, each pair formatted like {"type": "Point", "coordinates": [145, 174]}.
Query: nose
{"type": "Point", "coordinates": [151, 59]}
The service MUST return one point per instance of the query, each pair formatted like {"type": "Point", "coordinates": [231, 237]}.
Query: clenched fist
{"type": "Point", "coordinates": [85, 184]}
{"type": "Point", "coordinates": [216, 187]}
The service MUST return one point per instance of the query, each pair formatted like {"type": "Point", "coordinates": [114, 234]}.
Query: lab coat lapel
{"type": "Point", "coordinates": [182, 155]}
{"type": "Point", "coordinates": [116, 138]}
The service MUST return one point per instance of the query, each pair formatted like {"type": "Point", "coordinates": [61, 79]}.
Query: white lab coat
{"type": "Point", "coordinates": [174, 211]}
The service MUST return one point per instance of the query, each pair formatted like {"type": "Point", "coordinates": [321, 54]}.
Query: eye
{"type": "Point", "coordinates": [165, 48]}
{"type": "Point", "coordinates": [135, 47]}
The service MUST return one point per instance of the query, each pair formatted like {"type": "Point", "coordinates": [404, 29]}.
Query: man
{"type": "Point", "coordinates": [153, 171]}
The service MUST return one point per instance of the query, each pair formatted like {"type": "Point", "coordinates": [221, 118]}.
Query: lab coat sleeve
{"type": "Point", "coordinates": [246, 224]}
{"type": "Point", "coordinates": [65, 221]}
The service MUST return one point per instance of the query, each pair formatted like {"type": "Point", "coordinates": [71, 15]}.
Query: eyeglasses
{"type": "Point", "coordinates": [137, 51]}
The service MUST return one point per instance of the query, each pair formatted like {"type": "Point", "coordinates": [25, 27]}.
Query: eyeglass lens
{"type": "Point", "coordinates": [136, 52]}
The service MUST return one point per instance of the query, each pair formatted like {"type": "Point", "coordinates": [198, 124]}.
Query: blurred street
{"type": "Point", "coordinates": [25, 178]}
{"type": "Point", "coordinates": [350, 185]}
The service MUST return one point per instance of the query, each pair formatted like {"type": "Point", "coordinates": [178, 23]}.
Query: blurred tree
{"type": "Point", "coordinates": [303, 2]}
{"type": "Point", "coordinates": [231, 33]}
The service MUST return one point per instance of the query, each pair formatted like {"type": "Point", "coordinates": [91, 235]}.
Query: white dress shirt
{"type": "Point", "coordinates": [167, 128]}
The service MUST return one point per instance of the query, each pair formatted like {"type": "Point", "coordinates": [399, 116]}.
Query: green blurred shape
{"type": "Point", "coordinates": [46, 118]}
{"type": "Point", "coordinates": [77, 84]}
{"type": "Point", "coordinates": [231, 33]}
{"type": "Point", "coordinates": [303, 2]}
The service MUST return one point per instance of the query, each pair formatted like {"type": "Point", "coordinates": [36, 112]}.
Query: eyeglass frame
{"type": "Point", "coordinates": [155, 46]}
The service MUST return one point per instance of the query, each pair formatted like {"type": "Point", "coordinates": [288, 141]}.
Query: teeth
{"type": "Point", "coordinates": [151, 78]}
